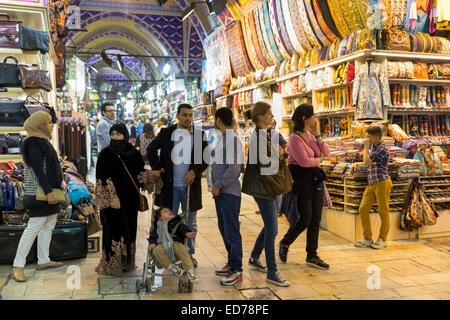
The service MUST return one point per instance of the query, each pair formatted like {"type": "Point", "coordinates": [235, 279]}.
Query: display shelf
{"type": "Point", "coordinates": [297, 95]}
{"type": "Point", "coordinates": [10, 157]}
{"type": "Point", "coordinates": [20, 90]}
{"type": "Point", "coordinates": [12, 130]}
{"type": "Point", "coordinates": [202, 106]}
{"type": "Point", "coordinates": [335, 184]}
{"type": "Point", "coordinates": [421, 81]}
{"type": "Point", "coordinates": [416, 110]}
{"type": "Point", "coordinates": [411, 55]}
{"type": "Point", "coordinates": [336, 86]}
{"type": "Point", "coordinates": [11, 51]}
{"type": "Point", "coordinates": [439, 200]}
{"type": "Point", "coordinates": [335, 113]}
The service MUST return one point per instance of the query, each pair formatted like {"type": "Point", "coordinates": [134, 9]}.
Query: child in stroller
{"type": "Point", "coordinates": [167, 242]}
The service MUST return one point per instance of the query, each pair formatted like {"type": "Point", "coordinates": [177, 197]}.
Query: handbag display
{"type": "Point", "coordinates": [143, 202]}
{"type": "Point", "coordinates": [33, 105]}
{"type": "Point", "coordinates": [32, 78]}
{"type": "Point", "coordinates": [61, 195]}
{"type": "Point", "coordinates": [9, 32]}
{"type": "Point", "coordinates": [12, 112]}
{"type": "Point", "coordinates": [9, 73]}
{"type": "Point", "coordinates": [14, 141]}
{"type": "Point", "coordinates": [33, 39]}
{"type": "Point", "coordinates": [15, 217]}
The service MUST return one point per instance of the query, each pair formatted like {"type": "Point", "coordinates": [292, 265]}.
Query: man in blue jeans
{"type": "Point", "coordinates": [227, 165]}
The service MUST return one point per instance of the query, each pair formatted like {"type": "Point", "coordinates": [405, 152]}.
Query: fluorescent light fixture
{"type": "Point", "coordinates": [120, 93]}
{"type": "Point", "coordinates": [166, 68]}
{"type": "Point", "coordinates": [120, 63]}
{"type": "Point", "coordinates": [119, 66]}
{"type": "Point", "coordinates": [93, 69]}
{"type": "Point", "coordinates": [189, 11]}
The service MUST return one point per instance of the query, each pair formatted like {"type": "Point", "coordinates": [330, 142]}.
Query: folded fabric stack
{"type": "Point", "coordinates": [389, 141]}
{"type": "Point", "coordinates": [361, 170]}
{"type": "Point", "coordinates": [408, 168]}
{"type": "Point", "coordinates": [327, 165]}
{"type": "Point", "coordinates": [353, 156]}
{"type": "Point", "coordinates": [340, 169]}
{"type": "Point", "coordinates": [396, 152]}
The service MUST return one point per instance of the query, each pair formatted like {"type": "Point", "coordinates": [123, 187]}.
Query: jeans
{"type": "Point", "coordinates": [279, 200]}
{"type": "Point", "coordinates": [180, 197]}
{"type": "Point", "coordinates": [310, 216]}
{"type": "Point", "coordinates": [41, 227]}
{"type": "Point", "coordinates": [266, 239]}
{"type": "Point", "coordinates": [228, 208]}
{"type": "Point", "coordinates": [209, 178]}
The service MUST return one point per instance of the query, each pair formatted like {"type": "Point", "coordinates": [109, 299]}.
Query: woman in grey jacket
{"type": "Point", "coordinates": [42, 168]}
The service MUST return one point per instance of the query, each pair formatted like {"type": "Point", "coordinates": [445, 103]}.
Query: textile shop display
{"type": "Point", "coordinates": [281, 27]}
{"type": "Point", "coordinates": [324, 19]}
{"type": "Point", "coordinates": [271, 48]}
{"type": "Point", "coordinates": [312, 37]}
{"type": "Point", "coordinates": [238, 54]}
{"type": "Point", "coordinates": [293, 27]}
{"type": "Point", "coordinates": [250, 22]}
{"type": "Point", "coordinates": [73, 145]}
{"type": "Point", "coordinates": [349, 15]}
{"type": "Point", "coordinates": [275, 30]}
{"type": "Point", "coordinates": [265, 51]}
{"type": "Point", "coordinates": [251, 49]}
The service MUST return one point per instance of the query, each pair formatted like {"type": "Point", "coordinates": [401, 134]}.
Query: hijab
{"type": "Point", "coordinates": [122, 147]}
{"type": "Point", "coordinates": [37, 125]}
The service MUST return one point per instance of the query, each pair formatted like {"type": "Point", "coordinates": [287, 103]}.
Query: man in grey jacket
{"type": "Point", "coordinates": [227, 166]}
{"type": "Point", "coordinates": [109, 114]}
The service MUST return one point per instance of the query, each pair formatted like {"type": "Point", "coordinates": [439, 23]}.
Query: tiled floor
{"type": "Point", "coordinates": [414, 269]}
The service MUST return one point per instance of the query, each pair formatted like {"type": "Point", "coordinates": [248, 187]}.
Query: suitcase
{"type": "Point", "coordinates": [9, 241]}
{"type": "Point", "coordinates": [69, 240]}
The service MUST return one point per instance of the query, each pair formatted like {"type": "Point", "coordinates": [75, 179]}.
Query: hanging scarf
{"type": "Point", "coordinates": [165, 238]}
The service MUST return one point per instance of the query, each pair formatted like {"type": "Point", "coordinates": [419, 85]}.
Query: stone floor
{"type": "Point", "coordinates": [413, 269]}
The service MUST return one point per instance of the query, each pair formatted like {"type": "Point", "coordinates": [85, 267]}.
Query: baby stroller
{"type": "Point", "coordinates": [150, 265]}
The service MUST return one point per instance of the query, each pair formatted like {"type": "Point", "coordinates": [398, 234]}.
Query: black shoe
{"type": "Point", "coordinates": [194, 261]}
{"type": "Point", "coordinates": [318, 263]}
{"type": "Point", "coordinates": [283, 251]}
{"type": "Point", "coordinates": [255, 263]}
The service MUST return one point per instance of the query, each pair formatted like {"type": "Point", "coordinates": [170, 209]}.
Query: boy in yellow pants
{"type": "Point", "coordinates": [376, 157]}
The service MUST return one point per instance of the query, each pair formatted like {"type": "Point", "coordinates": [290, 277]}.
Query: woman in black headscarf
{"type": "Point", "coordinates": [118, 200]}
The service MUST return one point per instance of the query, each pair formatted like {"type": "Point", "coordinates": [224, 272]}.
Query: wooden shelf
{"type": "Point", "coordinates": [439, 201]}
{"type": "Point", "coordinates": [417, 110]}
{"type": "Point", "coordinates": [10, 157]}
{"type": "Point", "coordinates": [20, 90]}
{"type": "Point", "coordinates": [336, 86]}
{"type": "Point", "coordinates": [297, 95]}
{"type": "Point", "coordinates": [12, 130]}
{"type": "Point", "coordinates": [10, 51]}
{"type": "Point", "coordinates": [421, 81]}
{"type": "Point", "coordinates": [336, 113]}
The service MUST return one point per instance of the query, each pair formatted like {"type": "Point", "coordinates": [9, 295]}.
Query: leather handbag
{"type": "Point", "coordinates": [32, 105]}
{"type": "Point", "coordinates": [33, 39]}
{"type": "Point", "coordinates": [61, 195]}
{"type": "Point", "coordinates": [14, 141]}
{"type": "Point", "coordinates": [9, 32]}
{"type": "Point", "coordinates": [19, 197]}
{"type": "Point", "coordinates": [12, 112]}
{"type": "Point", "coordinates": [396, 39]}
{"type": "Point", "coordinates": [69, 240]}
{"type": "Point", "coordinates": [9, 73]}
{"type": "Point", "coordinates": [14, 217]}
{"type": "Point", "coordinates": [90, 212]}
{"type": "Point", "coordinates": [33, 78]}
{"type": "Point", "coordinates": [143, 202]}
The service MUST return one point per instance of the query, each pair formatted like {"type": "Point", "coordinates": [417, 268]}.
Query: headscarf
{"type": "Point", "coordinates": [37, 125]}
{"type": "Point", "coordinates": [122, 147]}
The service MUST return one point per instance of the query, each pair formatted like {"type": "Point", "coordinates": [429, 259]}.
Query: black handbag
{"type": "Point", "coordinates": [14, 141]}
{"type": "Point", "coordinates": [33, 105]}
{"type": "Point", "coordinates": [12, 112]}
{"type": "Point", "coordinates": [3, 146]}
{"type": "Point", "coordinates": [9, 73]}
{"type": "Point", "coordinates": [69, 240]}
{"type": "Point", "coordinates": [33, 39]}
{"type": "Point", "coordinates": [9, 241]}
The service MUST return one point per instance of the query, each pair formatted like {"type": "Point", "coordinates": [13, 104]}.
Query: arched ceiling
{"type": "Point", "coordinates": [144, 28]}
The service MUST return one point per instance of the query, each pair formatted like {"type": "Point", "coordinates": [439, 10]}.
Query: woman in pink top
{"type": "Point", "coordinates": [304, 147]}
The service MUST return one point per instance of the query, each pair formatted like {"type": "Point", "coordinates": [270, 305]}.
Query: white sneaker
{"type": "Point", "coordinates": [380, 244]}
{"type": "Point", "coordinates": [364, 243]}
{"type": "Point", "coordinates": [176, 270]}
{"type": "Point", "coordinates": [192, 276]}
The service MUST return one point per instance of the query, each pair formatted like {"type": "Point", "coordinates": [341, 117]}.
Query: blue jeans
{"type": "Point", "coordinates": [180, 197]}
{"type": "Point", "coordinates": [266, 239]}
{"type": "Point", "coordinates": [228, 208]}
{"type": "Point", "coordinates": [208, 177]}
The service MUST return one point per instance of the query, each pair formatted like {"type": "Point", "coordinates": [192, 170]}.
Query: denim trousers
{"type": "Point", "coordinates": [209, 178]}
{"type": "Point", "coordinates": [180, 197]}
{"type": "Point", "coordinates": [228, 208]}
{"type": "Point", "coordinates": [268, 234]}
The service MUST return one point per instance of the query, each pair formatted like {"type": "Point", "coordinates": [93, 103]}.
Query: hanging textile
{"type": "Point", "coordinates": [315, 24]}
{"type": "Point", "coordinates": [350, 15]}
{"type": "Point", "coordinates": [306, 24]}
{"type": "Point", "coordinates": [321, 8]}
{"type": "Point", "coordinates": [281, 27]}
{"type": "Point", "coordinates": [260, 51]}
{"type": "Point", "coordinates": [267, 31]}
{"type": "Point", "coordinates": [371, 91]}
{"type": "Point", "coordinates": [217, 59]}
{"type": "Point", "coordinates": [249, 45]}
{"type": "Point", "coordinates": [326, 29]}
{"type": "Point", "coordinates": [270, 57]}
{"type": "Point", "coordinates": [238, 54]}
{"type": "Point", "coordinates": [275, 30]}
{"type": "Point", "coordinates": [294, 26]}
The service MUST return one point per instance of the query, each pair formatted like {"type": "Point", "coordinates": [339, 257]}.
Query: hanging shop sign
{"type": "Point", "coordinates": [218, 67]}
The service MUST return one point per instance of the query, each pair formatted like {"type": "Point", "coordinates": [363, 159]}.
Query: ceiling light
{"type": "Point", "coordinates": [93, 69]}
{"type": "Point", "coordinates": [120, 63]}
{"type": "Point", "coordinates": [166, 68]}
{"type": "Point", "coordinates": [189, 11]}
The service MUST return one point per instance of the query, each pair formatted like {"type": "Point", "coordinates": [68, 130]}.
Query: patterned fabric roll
{"type": "Point", "coordinates": [322, 23]}
{"type": "Point", "coordinates": [306, 24]}
{"type": "Point", "coordinates": [261, 42]}
{"type": "Point", "coordinates": [238, 54]}
{"type": "Point", "coordinates": [315, 24]}
{"type": "Point", "coordinates": [249, 45]}
{"type": "Point", "coordinates": [276, 30]}
{"type": "Point", "coordinates": [350, 15]}
{"type": "Point", "coordinates": [270, 36]}
{"type": "Point", "coordinates": [338, 17]}
{"type": "Point", "coordinates": [282, 28]}
{"type": "Point", "coordinates": [326, 14]}
{"type": "Point", "coordinates": [294, 26]}
{"type": "Point", "coordinates": [260, 18]}
{"type": "Point", "coordinates": [255, 42]}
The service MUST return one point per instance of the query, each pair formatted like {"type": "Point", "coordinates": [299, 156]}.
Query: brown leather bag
{"type": "Point", "coordinates": [9, 32]}
{"type": "Point", "coordinates": [14, 217]}
{"type": "Point", "coordinates": [90, 212]}
{"type": "Point", "coordinates": [33, 78]}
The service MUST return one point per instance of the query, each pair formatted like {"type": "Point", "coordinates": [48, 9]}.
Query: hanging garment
{"type": "Point", "coordinates": [371, 91]}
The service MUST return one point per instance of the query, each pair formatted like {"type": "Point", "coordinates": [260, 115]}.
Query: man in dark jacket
{"type": "Point", "coordinates": [180, 170]}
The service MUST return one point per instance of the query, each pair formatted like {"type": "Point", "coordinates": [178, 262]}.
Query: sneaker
{"type": "Point", "coordinates": [277, 280]}
{"type": "Point", "coordinates": [283, 251]}
{"type": "Point", "coordinates": [224, 271]}
{"type": "Point", "coordinates": [194, 261]}
{"type": "Point", "coordinates": [231, 278]}
{"type": "Point", "coordinates": [316, 262]}
{"type": "Point", "coordinates": [380, 244]}
{"type": "Point", "coordinates": [255, 263]}
{"type": "Point", "coordinates": [191, 275]}
{"type": "Point", "coordinates": [364, 243]}
{"type": "Point", "coordinates": [176, 270]}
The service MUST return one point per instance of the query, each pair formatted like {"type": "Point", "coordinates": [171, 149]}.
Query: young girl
{"type": "Point", "coordinates": [167, 243]}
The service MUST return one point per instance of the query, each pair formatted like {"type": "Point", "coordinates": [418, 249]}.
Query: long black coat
{"type": "Point", "coordinates": [163, 142]}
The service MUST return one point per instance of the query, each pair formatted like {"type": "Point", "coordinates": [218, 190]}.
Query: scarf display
{"type": "Point", "coordinates": [165, 239]}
